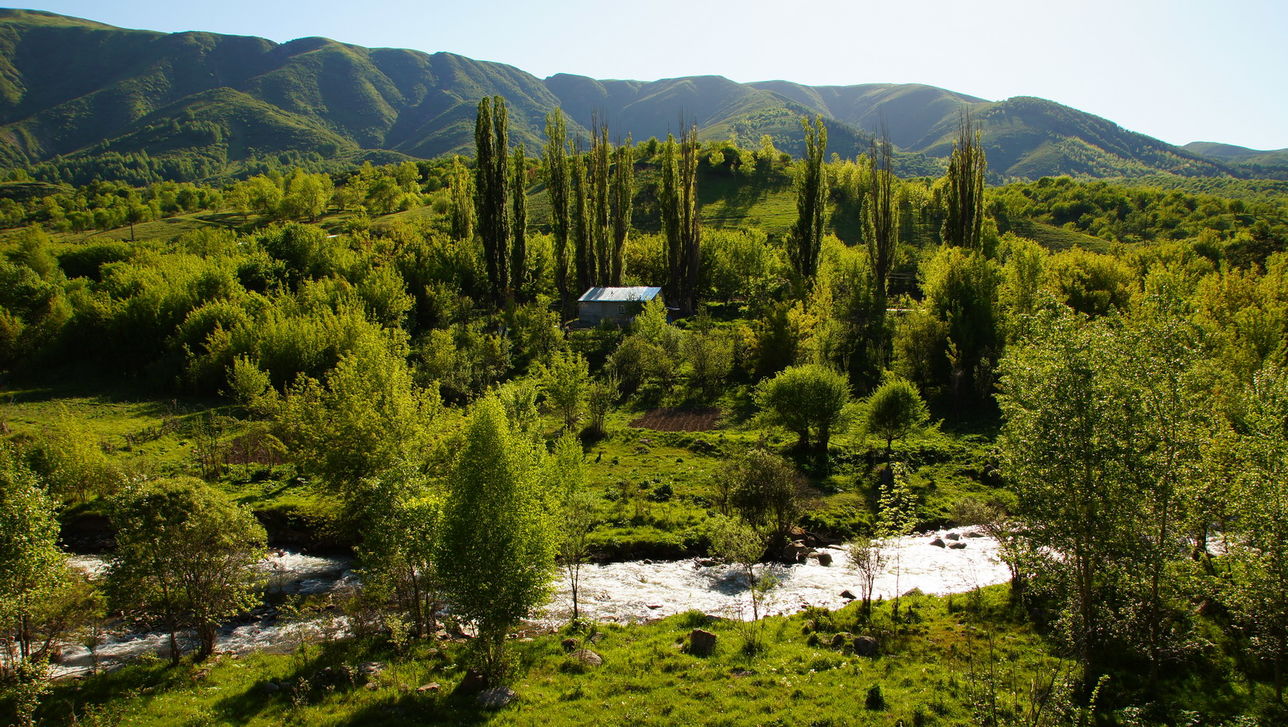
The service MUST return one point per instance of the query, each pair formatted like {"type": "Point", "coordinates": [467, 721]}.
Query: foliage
{"type": "Point", "coordinates": [809, 400]}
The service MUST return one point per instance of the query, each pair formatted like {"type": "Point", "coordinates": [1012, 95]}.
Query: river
{"type": "Point", "coordinates": [632, 591]}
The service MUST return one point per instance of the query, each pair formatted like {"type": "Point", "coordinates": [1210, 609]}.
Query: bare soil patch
{"type": "Point", "coordinates": [667, 419]}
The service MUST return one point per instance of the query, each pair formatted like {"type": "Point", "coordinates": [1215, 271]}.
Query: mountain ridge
{"type": "Point", "coordinates": [79, 88]}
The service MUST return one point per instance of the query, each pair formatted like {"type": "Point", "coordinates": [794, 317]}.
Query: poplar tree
{"type": "Point", "coordinates": [583, 258]}
{"type": "Point", "coordinates": [964, 213]}
{"type": "Point", "coordinates": [519, 246]}
{"type": "Point", "coordinates": [623, 193]}
{"type": "Point", "coordinates": [460, 202]}
{"type": "Point", "coordinates": [680, 221]}
{"type": "Point", "coordinates": [556, 171]}
{"type": "Point", "coordinates": [811, 198]}
{"type": "Point", "coordinates": [600, 224]}
{"type": "Point", "coordinates": [491, 190]}
{"type": "Point", "coordinates": [496, 554]}
{"type": "Point", "coordinates": [881, 217]}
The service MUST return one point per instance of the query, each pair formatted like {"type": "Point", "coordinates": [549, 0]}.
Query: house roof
{"type": "Point", "coordinates": [638, 294]}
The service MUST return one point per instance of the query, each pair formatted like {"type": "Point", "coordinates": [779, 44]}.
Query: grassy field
{"type": "Point", "coordinates": [929, 670]}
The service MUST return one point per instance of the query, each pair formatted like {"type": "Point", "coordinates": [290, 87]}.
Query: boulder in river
{"type": "Point", "coordinates": [937, 542]}
{"type": "Point", "coordinates": [954, 536]}
{"type": "Point", "coordinates": [701, 643]}
{"type": "Point", "coordinates": [848, 595]}
{"type": "Point", "coordinates": [957, 545]}
{"type": "Point", "coordinates": [975, 534]}
{"type": "Point", "coordinates": [825, 559]}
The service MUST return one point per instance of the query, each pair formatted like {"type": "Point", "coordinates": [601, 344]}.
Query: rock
{"type": "Point", "coordinates": [701, 643]}
{"type": "Point", "coordinates": [654, 606]}
{"type": "Point", "coordinates": [825, 559]}
{"type": "Point", "coordinates": [496, 697]}
{"type": "Point", "coordinates": [957, 545]}
{"type": "Point", "coordinates": [848, 595]}
{"type": "Point", "coordinates": [428, 688]}
{"type": "Point", "coordinates": [708, 562]}
{"type": "Point", "coordinates": [838, 640]}
{"type": "Point", "coordinates": [865, 646]}
{"type": "Point", "coordinates": [371, 669]}
{"type": "Point", "coordinates": [371, 686]}
{"type": "Point", "coordinates": [472, 682]}
{"type": "Point", "coordinates": [588, 657]}
{"type": "Point", "coordinates": [937, 542]}
{"type": "Point", "coordinates": [570, 644]}
{"type": "Point", "coordinates": [974, 534]}
{"type": "Point", "coordinates": [954, 536]}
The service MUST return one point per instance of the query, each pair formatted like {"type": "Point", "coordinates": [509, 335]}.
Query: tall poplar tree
{"type": "Point", "coordinates": [584, 259]}
{"type": "Point", "coordinates": [811, 198]}
{"type": "Point", "coordinates": [964, 213]}
{"type": "Point", "coordinates": [491, 191]}
{"type": "Point", "coordinates": [556, 170]}
{"type": "Point", "coordinates": [461, 202]}
{"type": "Point", "coordinates": [519, 245]}
{"type": "Point", "coordinates": [669, 199]}
{"type": "Point", "coordinates": [600, 221]}
{"type": "Point", "coordinates": [623, 193]}
{"type": "Point", "coordinates": [881, 227]}
{"type": "Point", "coordinates": [680, 217]}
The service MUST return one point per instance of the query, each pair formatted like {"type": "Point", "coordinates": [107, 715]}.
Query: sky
{"type": "Point", "coordinates": [1178, 70]}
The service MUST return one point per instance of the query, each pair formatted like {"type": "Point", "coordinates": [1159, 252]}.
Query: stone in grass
{"type": "Point", "coordinates": [588, 657]}
{"type": "Point", "coordinates": [428, 688]}
{"type": "Point", "coordinates": [496, 697]}
{"type": "Point", "coordinates": [570, 644]}
{"type": "Point", "coordinates": [701, 643]}
{"type": "Point", "coordinates": [839, 640]}
{"type": "Point", "coordinates": [865, 646]}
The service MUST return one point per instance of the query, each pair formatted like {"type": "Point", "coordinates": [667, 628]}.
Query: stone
{"type": "Point", "coordinates": [496, 697]}
{"type": "Point", "coordinates": [937, 542]}
{"type": "Point", "coordinates": [838, 640]}
{"type": "Point", "coordinates": [865, 646]}
{"type": "Point", "coordinates": [954, 536]}
{"type": "Point", "coordinates": [570, 644]}
{"type": "Point", "coordinates": [654, 606]}
{"type": "Point", "coordinates": [701, 643]}
{"type": "Point", "coordinates": [825, 559]}
{"type": "Point", "coordinates": [707, 562]}
{"type": "Point", "coordinates": [848, 595]}
{"type": "Point", "coordinates": [975, 534]}
{"type": "Point", "coordinates": [428, 688]}
{"type": "Point", "coordinates": [957, 545]}
{"type": "Point", "coordinates": [371, 686]}
{"type": "Point", "coordinates": [371, 669]}
{"type": "Point", "coordinates": [588, 657]}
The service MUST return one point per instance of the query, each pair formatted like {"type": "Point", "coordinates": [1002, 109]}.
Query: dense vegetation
{"type": "Point", "coordinates": [378, 360]}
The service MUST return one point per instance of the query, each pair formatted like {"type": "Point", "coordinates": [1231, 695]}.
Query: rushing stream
{"type": "Point", "coordinates": [631, 591]}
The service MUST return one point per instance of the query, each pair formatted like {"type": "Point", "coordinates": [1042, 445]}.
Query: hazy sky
{"type": "Point", "coordinates": [1184, 70]}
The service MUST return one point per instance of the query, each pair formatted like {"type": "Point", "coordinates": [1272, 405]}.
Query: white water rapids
{"type": "Point", "coordinates": [631, 591]}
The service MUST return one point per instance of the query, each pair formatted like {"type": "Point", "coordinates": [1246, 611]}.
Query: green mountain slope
{"type": "Point", "coordinates": [1253, 163]}
{"type": "Point", "coordinates": [76, 88]}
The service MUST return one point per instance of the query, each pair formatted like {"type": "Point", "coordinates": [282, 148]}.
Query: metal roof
{"type": "Point", "coordinates": [639, 294]}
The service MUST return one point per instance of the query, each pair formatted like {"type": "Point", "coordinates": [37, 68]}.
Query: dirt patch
{"type": "Point", "coordinates": [678, 420]}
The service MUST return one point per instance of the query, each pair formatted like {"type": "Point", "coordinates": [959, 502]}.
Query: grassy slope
{"type": "Point", "coordinates": [928, 669]}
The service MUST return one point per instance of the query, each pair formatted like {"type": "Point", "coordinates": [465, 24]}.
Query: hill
{"type": "Point", "coordinates": [198, 104]}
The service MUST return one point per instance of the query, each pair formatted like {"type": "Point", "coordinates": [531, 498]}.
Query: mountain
{"type": "Point", "coordinates": [1252, 163]}
{"type": "Point", "coordinates": [80, 90]}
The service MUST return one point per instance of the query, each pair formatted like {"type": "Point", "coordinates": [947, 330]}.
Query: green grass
{"type": "Point", "coordinates": [929, 672]}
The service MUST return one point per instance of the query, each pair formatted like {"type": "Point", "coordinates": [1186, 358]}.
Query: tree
{"type": "Point", "coordinates": [881, 227]}
{"type": "Point", "coordinates": [811, 199]}
{"type": "Point", "coordinates": [496, 554]}
{"type": "Point", "coordinates": [623, 194]}
{"type": "Point", "coordinates": [566, 473]}
{"type": "Point", "coordinates": [565, 382]}
{"type": "Point", "coordinates": [460, 207]}
{"type": "Point", "coordinates": [583, 240]}
{"type": "Point", "coordinates": [681, 225]}
{"type": "Point", "coordinates": [896, 517]}
{"type": "Point", "coordinates": [767, 492]}
{"type": "Point", "coordinates": [601, 153]}
{"type": "Point", "coordinates": [964, 205]}
{"type": "Point", "coordinates": [557, 180]}
{"type": "Point", "coordinates": [740, 545]}
{"type": "Point", "coordinates": [30, 560]}
{"type": "Point", "coordinates": [809, 400]}
{"type": "Point", "coordinates": [1066, 448]}
{"type": "Point", "coordinates": [400, 538]}
{"type": "Point", "coordinates": [519, 245]}
{"type": "Point", "coordinates": [185, 556]}
{"type": "Point", "coordinates": [492, 191]}
{"type": "Point", "coordinates": [894, 411]}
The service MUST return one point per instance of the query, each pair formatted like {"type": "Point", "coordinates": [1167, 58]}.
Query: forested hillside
{"type": "Point", "coordinates": [80, 100]}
